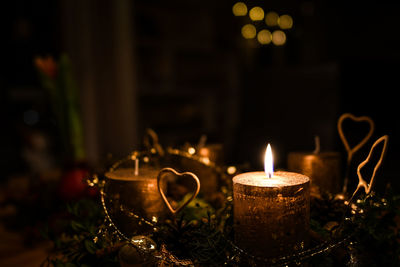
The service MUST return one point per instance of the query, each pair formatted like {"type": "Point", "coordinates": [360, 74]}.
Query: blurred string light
{"type": "Point", "coordinates": [191, 150]}
{"type": "Point", "coordinates": [266, 27]}
{"type": "Point", "coordinates": [264, 36]}
{"type": "Point", "coordinates": [256, 13]}
{"type": "Point", "coordinates": [249, 31]}
{"type": "Point", "coordinates": [285, 22]}
{"type": "Point", "coordinates": [239, 9]}
{"type": "Point", "coordinates": [278, 38]}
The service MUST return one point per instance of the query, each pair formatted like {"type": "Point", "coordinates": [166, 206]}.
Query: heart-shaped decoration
{"type": "Point", "coordinates": [361, 181]}
{"type": "Point", "coordinates": [351, 151]}
{"type": "Point", "coordinates": [161, 176]}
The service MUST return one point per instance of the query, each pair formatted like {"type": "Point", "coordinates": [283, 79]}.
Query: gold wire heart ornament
{"type": "Point", "coordinates": [160, 178]}
{"type": "Point", "coordinates": [351, 151]}
{"type": "Point", "coordinates": [361, 181]}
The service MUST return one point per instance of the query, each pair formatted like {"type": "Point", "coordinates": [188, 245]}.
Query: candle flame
{"type": "Point", "coordinates": [268, 162]}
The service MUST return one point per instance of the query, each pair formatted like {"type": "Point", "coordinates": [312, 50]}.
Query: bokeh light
{"type": "Point", "coordinates": [278, 38]}
{"type": "Point", "coordinates": [239, 9]}
{"type": "Point", "coordinates": [264, 37]}
{"type": "Point", "coordinates": [231, 170]}
{"type": "Point", "coordinates": [285, 22]}
{"type": "Point", "coordinates": [249, 31]}
{"type": "Point", "coordinates": [256, 13]}
{"type": "Point", "coordinates": [271, 19]}
{"type": "Point", "coordinates": [191, 150]}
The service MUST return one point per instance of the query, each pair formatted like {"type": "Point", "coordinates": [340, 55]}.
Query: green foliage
{"type": "Point", "coordinates": [378, 238]}
{"type": "Point", "coordinates": [197, 234]}
{"type": "Point", "coordinates": [204, 235]}
{"type": "Point", "coordinates": [196, 209]}
{"type": "Point", "coordinates": [79, 244]}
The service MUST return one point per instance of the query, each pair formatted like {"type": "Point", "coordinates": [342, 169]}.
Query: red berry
{"type": "Point", "coordinates": [73, 184]}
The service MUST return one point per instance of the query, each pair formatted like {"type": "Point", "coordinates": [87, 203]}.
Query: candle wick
{"type": "Point", "coordinates": [202, 141]}
{"type": "Point", "coordinates": [269, 175]}
{"type": "Point", "coordinates": [317, 145]}
{"type": "Point", "coordinates": [136, 166]}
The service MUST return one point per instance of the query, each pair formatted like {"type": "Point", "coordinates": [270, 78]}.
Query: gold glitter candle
{"type": "Point", "coordinates": [271, 212]}
{"type": "Point", "coordinates": [323, 168]}
{"type": "Point", "coordinates": [129, 194]}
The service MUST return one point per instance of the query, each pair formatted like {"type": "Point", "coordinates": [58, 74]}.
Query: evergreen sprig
{"type": "Point", "coordinates": [79, 243]}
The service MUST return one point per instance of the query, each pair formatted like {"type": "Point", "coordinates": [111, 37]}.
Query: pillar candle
{"type": "Point", "coordinates": [323, 168]}
{"type": "Point", "coordinates": [201, 166]}
{"type": "Point", "coordinates": [271, 215]}
{"type": "Point", "coordinates": [137, 194]}
{"type": "Point", "coordinates": [271, 212]}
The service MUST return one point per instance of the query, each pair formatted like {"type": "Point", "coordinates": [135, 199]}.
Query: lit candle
{"type": "Point", "coordinates": [271, 211]}
{"type": "Point", "coordinates": [323, 168]}
{"type": "Point", "coordinates": [132, 192]}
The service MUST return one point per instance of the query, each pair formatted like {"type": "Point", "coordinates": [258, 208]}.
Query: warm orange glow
{"type": "Point", "coordinates": [239, 9]}
{"type": "Point", "coordinates": [268, 162]}
{"type": "Point", "coordinates": [249, 31]}
{"type": "Point", "coordinates": [285, 22]}
{"type": "Point", "coordinates": [264, 37]}
{"type": "Point", "coordinates": [231, 170]}
{"type": "Point", "coordinates": [191, 150]}
{"type": "Point", "coordinates": [278, 37]}
{"type": "Point", "coordinates": [271, 19]}
{"type": "Point", "coordinates": [256, 13]}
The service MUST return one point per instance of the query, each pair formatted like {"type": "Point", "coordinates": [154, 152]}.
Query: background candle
{"type": "Point", "coordinates": [271, 215]}
{"type": "Point", "coordinates": [202, 166]}
{"type": "Point", "coordinates": [323, 168]}
{"type": "Point", "coordinates": [214, 152]}
{"type": "Point", "coordinates": [138, 194]}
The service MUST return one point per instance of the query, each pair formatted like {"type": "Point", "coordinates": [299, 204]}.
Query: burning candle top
{"type": "Point", "coordinates": [269, 178]}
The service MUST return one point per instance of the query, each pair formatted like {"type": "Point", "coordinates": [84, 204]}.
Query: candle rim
{"type": "Point", "coordinates": [310, 153]}
{"type": "Point", "coordinates": [128, 174]}
{"type": "Point", "coordinates": [260, 176]}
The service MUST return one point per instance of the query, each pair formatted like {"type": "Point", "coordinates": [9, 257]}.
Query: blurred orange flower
{"type": "Point", "coordinates": [47, 65]}
{"type": "Point", "coordinates": [56, 77]}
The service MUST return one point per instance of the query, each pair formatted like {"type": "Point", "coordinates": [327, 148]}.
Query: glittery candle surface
{"type": "Point", "coordinates": [271, 215]}
{"type": "Point", "coordinates": [324, 169]}
{"type": "Point", "coordinates": [128, 195]}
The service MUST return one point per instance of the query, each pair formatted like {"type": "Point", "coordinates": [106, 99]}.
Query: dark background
{"type": "Point", "coordinates": [183, 69]}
